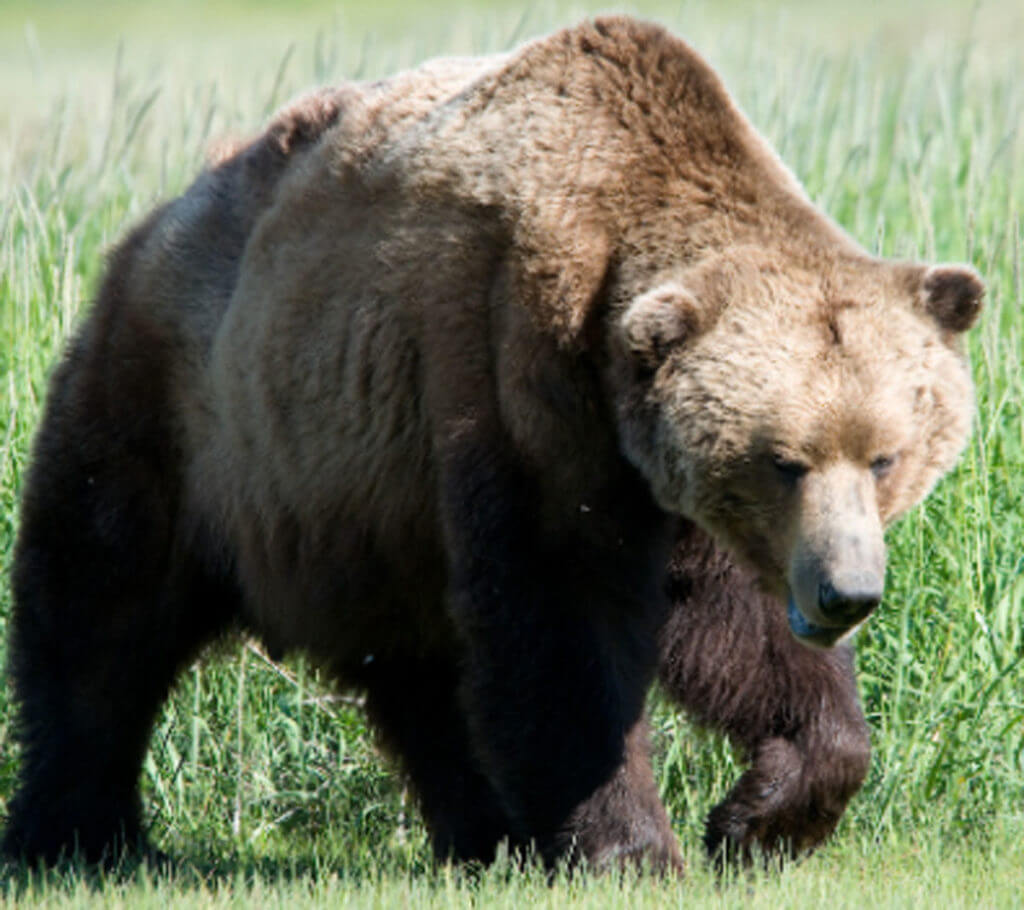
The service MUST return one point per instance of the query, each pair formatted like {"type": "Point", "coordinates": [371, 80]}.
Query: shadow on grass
{"type": "Point", "coordinates": [211, 866]}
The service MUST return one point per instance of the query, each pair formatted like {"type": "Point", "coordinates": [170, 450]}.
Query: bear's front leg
{"type": "Point", "coordinates": [731, 661]}
{"type": "Point", "coordinates": [624, 821]}
{"type": "Point", "coordinates": [559, 631]}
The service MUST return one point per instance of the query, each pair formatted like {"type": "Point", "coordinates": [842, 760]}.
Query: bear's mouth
{"type": "Point", "coordinates": [810, 633]}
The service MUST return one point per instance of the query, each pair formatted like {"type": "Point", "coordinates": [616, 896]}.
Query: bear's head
{"type": "Point", "coordinates": [794, 412]}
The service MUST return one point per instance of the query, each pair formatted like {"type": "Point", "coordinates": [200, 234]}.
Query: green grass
{"type": "Point", "coordinates": [853, 877]}
{"type": "Point", "coordinates": [267, 787]}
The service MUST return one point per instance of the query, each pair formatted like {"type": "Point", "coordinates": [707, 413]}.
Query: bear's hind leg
{"type": "Point", "coordinates": [414, 707]}
{"type": "Point", "coordinates": [730, 660]}
{"type": "Point", "coordinates": [94, 650]}
{"type": "Point", "coordinates": [106, 609]}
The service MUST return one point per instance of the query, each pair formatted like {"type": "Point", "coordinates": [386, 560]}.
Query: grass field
{"type": "Point", "coordinates": [905, 121]}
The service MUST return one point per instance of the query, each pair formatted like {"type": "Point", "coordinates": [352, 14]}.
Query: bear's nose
{"type": "Point", "coordinates": [849, 601]}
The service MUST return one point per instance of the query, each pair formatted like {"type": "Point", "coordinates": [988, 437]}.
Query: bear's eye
{"type": "Point", "coordinates": [882, 465]}
{"type": "Point", "coordinates": [789, 469]}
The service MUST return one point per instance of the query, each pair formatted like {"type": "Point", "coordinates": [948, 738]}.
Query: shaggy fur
{"type": "Point", "coordinates": [729, 659]}
{"type": "Point", "coordinates": [418, 382]}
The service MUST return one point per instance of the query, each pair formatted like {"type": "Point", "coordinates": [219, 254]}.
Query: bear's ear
{"type": "Point", "coordinates": [659, 320]}
{"type": "Point", "coordinates": [951, 295]}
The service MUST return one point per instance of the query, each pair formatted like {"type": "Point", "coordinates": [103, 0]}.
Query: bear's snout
{"type": "Point", "coordinates": [837, 567]}
{"type": "Point", "coordinates": [849, 599]}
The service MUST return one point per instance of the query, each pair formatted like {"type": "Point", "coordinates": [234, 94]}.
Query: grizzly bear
{"type": "Point", "coordinates": [489, 386]}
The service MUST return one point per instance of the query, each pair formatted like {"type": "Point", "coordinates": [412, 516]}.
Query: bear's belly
{"type": "Point", "coordinates": [314, 461]}
{"type": "Point", "coordinates": [354, 601]}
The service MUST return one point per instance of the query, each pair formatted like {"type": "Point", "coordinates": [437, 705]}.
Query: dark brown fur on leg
{"type": "Point", "coordinates": [550, 689]}
{"type": "Point", "coordinates": [413, 705]}
{"type": "Point", "coordinates": [627, 813]}
{"type": "Point", "coordinates": [107, 605]}
{"type": "Point", "coordinates": [109, 600]}
{"type": "Point", "coordinates": [730, 660]}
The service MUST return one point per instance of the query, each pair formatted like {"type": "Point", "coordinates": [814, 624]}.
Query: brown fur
{"type": "Point", "coordinates": [414, 381]}
{"type": "Point", "coordinates": [730, 660]}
